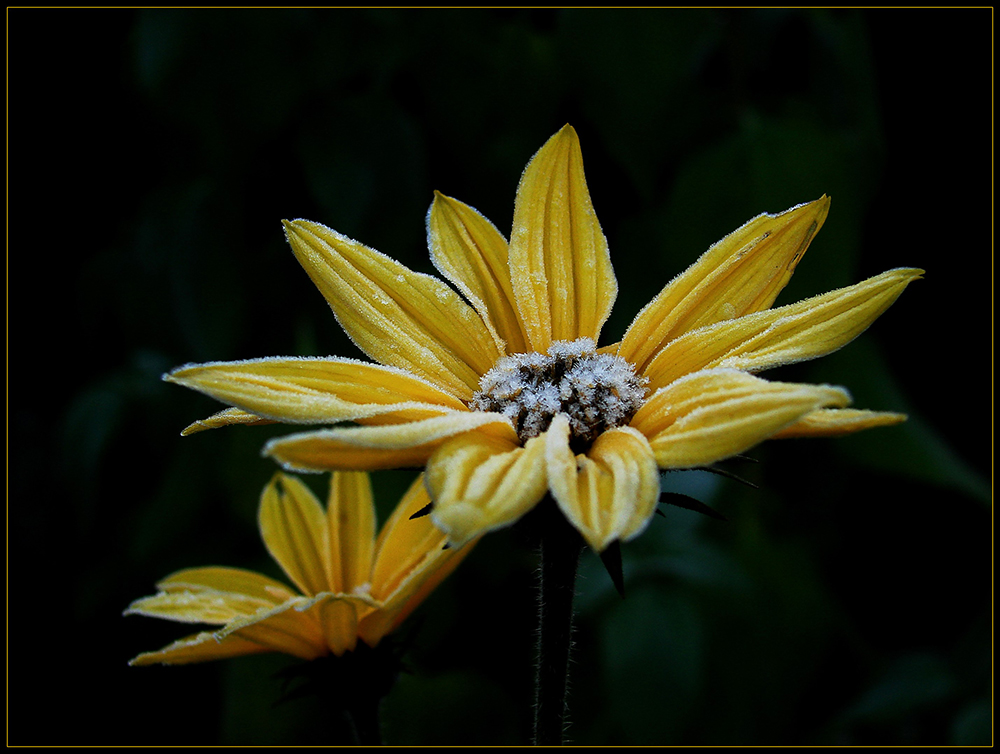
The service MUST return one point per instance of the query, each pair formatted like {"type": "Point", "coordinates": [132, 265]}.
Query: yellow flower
{"type": "Point", "coordinates": [501, 393]}
{"type": "Point", "coordinates": [351, 585]}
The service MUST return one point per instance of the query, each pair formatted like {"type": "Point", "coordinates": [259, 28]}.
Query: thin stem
{"type": "Point", "coordinates": [560, 554]}
{"type": "Point", "coordinates": [365, 723]}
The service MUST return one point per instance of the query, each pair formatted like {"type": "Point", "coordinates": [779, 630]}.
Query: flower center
{"type": "Point", "coordinates": [596, 391]}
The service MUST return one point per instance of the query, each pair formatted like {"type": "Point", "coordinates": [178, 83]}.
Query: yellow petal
{"type": "Point", "coordinates": [710, 415]}
{"type": "Point", "coordinates": [561, 271]}
{"type": "Point", "coordinates": [294, 529]}
{"type": "Point", "coordinates": [797, 332]}
{"type": "Point", "coordinates": [412, 560]}
{"type": "Point", "coordinates": [610, 492]}
{"type": "Point", "coordinates": [339, 621]}
{"type": "Point", "coordinates": [200, 648]}
{"type": "Point", "coordinates": [204, 606]}
{"type": "Point", "coordinates": [337, 616]}
{"type": "Point", "coordinates": [316, 391]}
{"type": "Point", "coordinates": [388, 447]}
{"type": "Point", "coordinates": [480, 483]}
{"type": "Point", "coordinates": [403, 543]}
{"type": "Point", "coordinates": [470, 252]}
{"type": "Point", "coordinates": [222, 579]}
{"type": "Point", "coordinates": [224, 418]}
{"type": "Point", "coordinates": [741, 274]}
{"type": "Point", "coordinates": [287, 628]}
{"type": "Point", "coordinates": [350, 514]}
{"type": "Point", "coordinates": [833, 422]}
{"type": "Point", "coordinates": [398, 317]}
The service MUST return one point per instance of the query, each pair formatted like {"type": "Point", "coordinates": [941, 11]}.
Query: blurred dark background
{"type": "Point", "coordinates": [152, 155]}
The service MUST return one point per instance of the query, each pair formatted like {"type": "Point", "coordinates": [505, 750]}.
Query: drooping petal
{"type": "Point", "coordinates": [225, 418]}
{"type": "Point", "coordinates": [561, 271]}
{"type": "Point", "coordinates": [710, 415]}
{"type": "Point", "coordinates": [384, 447]}
{"type": "Point", "coordinates": [200, 648]}
{"type": "Point", "coordinates": [479, 483]}
{"type": "Point", "coordinates": [610, 492]}
{"type": "Point", "coordinates": [398, 317]}
{"type": "Point", "coordinates": [294, 529]}
{"type": "Point", "coordinates": [797, 332]}
{"type": "Point", "coordinates": [412, 560]}
{"type": "Point", "coordinates": [834, 422]}
{"type": "Point", "coordinates": [741, 274]}
{"type": "Point", "coordinates": [350, 514]}
{"type": "Point", "coordinates": [470, 252]}
{"type": "Point", "coordinates": [317, 391]}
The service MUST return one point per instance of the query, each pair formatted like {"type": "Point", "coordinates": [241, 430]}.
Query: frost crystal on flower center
{"type": "Point", "coordinates": [596, 391]}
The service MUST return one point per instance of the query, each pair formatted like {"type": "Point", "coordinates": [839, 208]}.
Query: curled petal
{"type": "Point", "coordinates": [561, 271]}
{"type": "Point", "coordinates": [470, 252]}
{"type": "Point", "coordinates": [741, 274]}
{"type": "Point", "coordinates": [610, 492]}
{"type": "Point", "coordinates": [396, 316]}
{"type": "Point", "coordinates": [386, 447]}
{"type": "Point", "coordinates": [710, 415]}
{"type": "Point", "coordinates": [797, 332]}
{"type": "Point", "coordinates": [225, 418]}
{"type": "Point", "coordinates": [314, 391]}
{"type": "Point", "coordinates": [834, 422]}
{"type": "Point", "coordinates": [479, 483]}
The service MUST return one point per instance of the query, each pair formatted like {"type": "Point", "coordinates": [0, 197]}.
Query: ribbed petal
{"type": "Point", "coordinates": [412, 560]}
{"type": "Point", "coordinates": [561, 271]}
{"type": "Point", "coordinates": [200, 648]}
{"type": "Point", "coordinates": [833, 422]}
{"type": "Point", "coordinates": [339, 621]}
{"type": "Point", "coordinates": [710, 415]}
{"type": "Point", "coordinates": [223, 579]}
{"type": "Point", "coordinates": [797, 332]}
{"type": "Point", "coordinates": [225, 418]}
{"type": "Point", "coordinates": [480, 483]}
{"type": "Point", "coordinates": [396, 316]}
{"type": "Point", "coordinates": [203, 606]}
{"type": "Point", "coordinates": [317, 391]}
{"type": "Point", "coordinates": [370, 448]}
{"type": "Point", "coordinates": [294, 529]}
{"type": "Point", "coordinates": [470, 252]}
{"type": "Point", "coordinates": [741, 274]}
{"type": "Point", "coordinates": [423, 580]}
{"type": "Point", "coordinates": [610, 492]}
{"type": "Point", "coordinates": [350, 515]}
{"type": "Point", "coordinates": [293, 627]}
{"type": "Point", "coordinates": [404, 543]}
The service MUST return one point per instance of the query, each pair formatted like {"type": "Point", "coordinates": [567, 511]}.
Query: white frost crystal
{"type": "Point", "coordinates": [596, 391]}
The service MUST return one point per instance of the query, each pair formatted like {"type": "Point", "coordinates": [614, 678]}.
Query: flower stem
{"type": "Point", "coordinates": [560, 553]}
{"type": "Point", "coordinates": [364, 719]}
